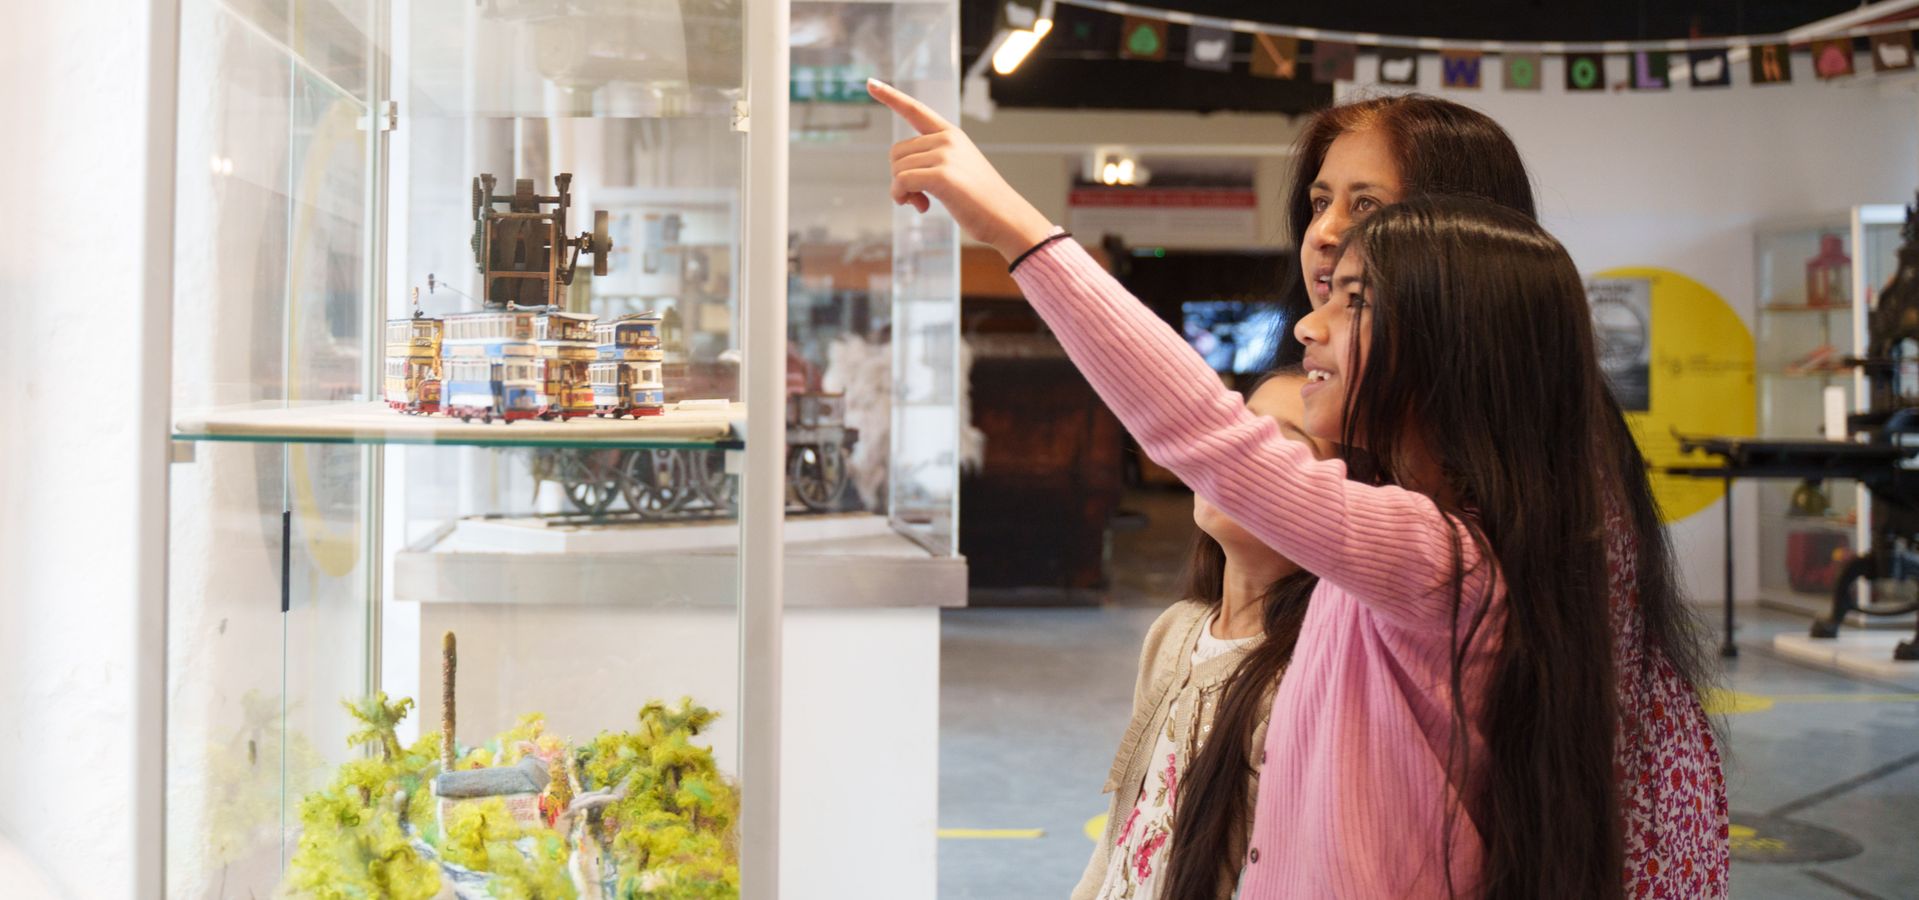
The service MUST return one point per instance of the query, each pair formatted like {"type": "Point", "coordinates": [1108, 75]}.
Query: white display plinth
{"type": "Point", "coordinates": [1853, 653]}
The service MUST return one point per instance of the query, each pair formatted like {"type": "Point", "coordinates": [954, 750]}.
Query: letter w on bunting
{"type": "Point", "coordinates": [1459, 69]}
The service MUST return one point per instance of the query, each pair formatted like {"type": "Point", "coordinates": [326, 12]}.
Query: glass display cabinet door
{"type": "Point", "coordinates": [570, 610]}
{"type": "Point", "coordinates": [271, 563]}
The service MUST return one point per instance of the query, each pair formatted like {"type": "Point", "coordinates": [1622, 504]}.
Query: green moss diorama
{"type": "Point", "coordinates": [637, 815]}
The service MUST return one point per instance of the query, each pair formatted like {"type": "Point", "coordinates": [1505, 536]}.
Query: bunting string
{"type": "Point", "coordinates": [1445, 45]}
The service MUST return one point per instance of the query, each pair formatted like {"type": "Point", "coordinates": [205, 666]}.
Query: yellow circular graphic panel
{"type": "Point", "coordinates": [1695, 372]}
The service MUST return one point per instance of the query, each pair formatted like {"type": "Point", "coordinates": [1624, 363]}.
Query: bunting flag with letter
{"type": "Point", "coordinates": [1651, 71]}
{"type": "Point", "coordinates": [1892, 52]}
{"type": "Point", "coordinates": [1209, 48]}
{"type": "Point", "coordinates": [1334, 61]}
{"type": "Point", "coordinates": [1522, 71]}
{"type": "Point", "coordinates": [1398, 66]}
{"type": "Point", "coordinates": [1459, 69]}
{"type": "Point", "coordinates": [1585, 72]}
{"type": "Point", "coordinates": [1275, 56]}
{"type": "Point", "coordinates": [1772, 64]}
{"type": "Point", "coordinates": [1832, 59]}
{"type": "Point", "coordinates": [1142, 38]}
{"type": "Point", "coordinates": [1651, 64]}
{"type": "Point", "coordinates": [1709, 68]}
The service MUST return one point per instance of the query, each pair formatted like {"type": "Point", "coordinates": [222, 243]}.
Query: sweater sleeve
{"type": "Point", "coordinates": [1390, 547]}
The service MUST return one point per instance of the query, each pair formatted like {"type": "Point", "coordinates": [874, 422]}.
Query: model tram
{"type": "Point", "coordinates": [566, 348]}
{"type": "Point", "coordinates": [625, 376]}
{"type": "Point", "coordinates": [412, 382]}
{"type": "Point", "coordinates": [491, 366]}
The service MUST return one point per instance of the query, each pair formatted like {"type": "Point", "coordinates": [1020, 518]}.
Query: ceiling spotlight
{"type": "Point", "coordinates": [1018, 41]}
{"type": "Point", "coordinates": [1114, 165]}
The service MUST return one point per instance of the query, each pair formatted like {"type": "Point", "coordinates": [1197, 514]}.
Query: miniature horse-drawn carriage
{"type": "Point", "coordinates": [661, 484]}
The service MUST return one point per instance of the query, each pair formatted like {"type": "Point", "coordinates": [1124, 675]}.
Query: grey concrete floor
{"type": "Point", "coordinates": [1033, 701]}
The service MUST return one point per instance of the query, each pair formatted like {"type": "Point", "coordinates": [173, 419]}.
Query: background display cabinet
{"type": "Point", "coordinates": [1818, 278]}
{"type": "Point", "coordinates": [439, 627]}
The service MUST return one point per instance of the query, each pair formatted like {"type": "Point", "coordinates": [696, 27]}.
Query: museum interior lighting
{"type": "Point", "coordinates": [1019, 43]}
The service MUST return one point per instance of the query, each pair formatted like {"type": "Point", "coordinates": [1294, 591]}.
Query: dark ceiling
{"type": "Point", "coordinates": [1078, 65]}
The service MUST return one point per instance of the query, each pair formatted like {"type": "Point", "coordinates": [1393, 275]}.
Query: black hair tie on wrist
{"type": "Point", "coordinates": [1058, 235]}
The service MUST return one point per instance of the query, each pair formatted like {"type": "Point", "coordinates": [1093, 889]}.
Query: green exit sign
{"type": "Point", "coordinates": [830, 84]}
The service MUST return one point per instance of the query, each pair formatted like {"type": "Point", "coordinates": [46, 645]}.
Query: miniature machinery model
{"type": "Point", "coordinates": [1886, 461]}
{"type": "Point", "coordinates": [522, 356]}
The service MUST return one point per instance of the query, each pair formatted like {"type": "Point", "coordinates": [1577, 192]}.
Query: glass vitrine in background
{"type": "Point", "coordinates": [1817, 279]}
{"type": "Point", "coordinates": [590, 571]}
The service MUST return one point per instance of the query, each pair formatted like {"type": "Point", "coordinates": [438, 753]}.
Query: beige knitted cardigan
{"type": "Point", "coordinates": [1167, 678]}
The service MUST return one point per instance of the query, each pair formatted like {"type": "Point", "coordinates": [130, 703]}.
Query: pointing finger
{"type": "Point", "coordinates": [923, 119]}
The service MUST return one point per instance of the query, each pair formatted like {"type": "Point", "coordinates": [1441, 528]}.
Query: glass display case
{"type": "Point", "coordinates": [566, 442]}
{"type": "Point", "coordinates": [1817, 279]}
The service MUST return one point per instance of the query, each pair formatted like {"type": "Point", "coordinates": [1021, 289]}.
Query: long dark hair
{"type": "Point", "coordinates": [1482, 340]}
{"type": "Point", "coordinates": [1214, 798]}
{"type": "Point", "coordinates": [1441, 148]}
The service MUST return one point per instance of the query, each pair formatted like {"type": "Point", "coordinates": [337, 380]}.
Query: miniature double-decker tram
{"type": "Point", "coordinates": [490, 366]}
{"type": "Point", "coordinates": [566, 347]}
{"type": "Point", "coordinates": [626, 373]}
{"type": "Point", "coordinates": [412, 382]}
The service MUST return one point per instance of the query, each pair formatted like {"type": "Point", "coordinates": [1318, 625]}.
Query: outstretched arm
{"type": "Point", "coordinates": [1389, 546]}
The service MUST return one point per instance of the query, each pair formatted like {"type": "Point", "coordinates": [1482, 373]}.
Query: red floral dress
{"type": "Point", "coordinates": [1672, 786]}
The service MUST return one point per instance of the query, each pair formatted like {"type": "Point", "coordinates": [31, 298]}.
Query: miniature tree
{"type": "Point", "coordinates": [559, 788]}
{"type": "Point", "coordinates": [671, 825]}
{"type": "Point", "coordinates": [380, 722]}
{"type": "Point", "coordinates": [525, 863]}
{"type": "Point", "coordinates": [353, 841]}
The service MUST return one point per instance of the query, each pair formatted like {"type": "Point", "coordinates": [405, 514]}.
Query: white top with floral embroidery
{"type": "Point", "coordinates": [1138, 862]}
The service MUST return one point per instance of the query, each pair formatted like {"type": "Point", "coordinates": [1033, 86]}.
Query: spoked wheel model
{"type": "Point", "coordinates": [656, 482]}
{"type": "Point", "coordinates": [816, 474]}
{"type": "Point", "coordinates": [592, 479]}
{"type": "Point", "coordinates": [710, 481]}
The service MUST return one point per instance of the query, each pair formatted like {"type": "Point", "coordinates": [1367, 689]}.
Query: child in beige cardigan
{"type": "Point", "coordinates": [1171, 797]}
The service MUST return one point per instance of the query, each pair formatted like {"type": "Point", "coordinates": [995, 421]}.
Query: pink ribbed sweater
{"type": "Point", "coordinates": [1353, 800]}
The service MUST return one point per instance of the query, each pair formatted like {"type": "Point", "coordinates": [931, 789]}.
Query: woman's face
{"type": "Point", "coordinates": [1357, 177]}
{"type": "Point", "coordinates": [1278, 397]}
{"type": "Point", "coordinates": [1329, 333]}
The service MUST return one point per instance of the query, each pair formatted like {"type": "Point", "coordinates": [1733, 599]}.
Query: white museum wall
{"type": "Point", "coordinates": [71, 282]}
{"type": "Point", "coordinates": [1680, 179]}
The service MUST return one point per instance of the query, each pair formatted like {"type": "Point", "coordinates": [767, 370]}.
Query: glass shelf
{"type": "Point", "coordinates": [716, 427]}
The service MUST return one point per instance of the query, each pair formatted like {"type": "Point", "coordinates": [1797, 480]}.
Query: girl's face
{"type": "Point", "coordinates": [1357, 177]}
{"type": "Point", "coordinates": [1329, 333]}
{"type": "Point", "coordinates": [1278, 397]}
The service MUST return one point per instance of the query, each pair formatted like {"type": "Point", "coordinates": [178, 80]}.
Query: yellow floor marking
{"type": "Point", "coordinates": [1728, 703]}
{"type": "Point", "coordinates": [1736, 702]}
{"type": "Point", "coordinates": [1096, 827]}
{"type": "Point", "coordinates": [1847, 698]}
{"type": "Point", "coordinates": [993, 834]}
